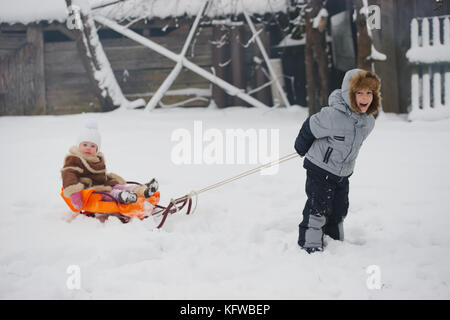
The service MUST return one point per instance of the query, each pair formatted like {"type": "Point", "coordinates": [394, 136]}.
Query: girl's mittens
{"type": "Point", "coordinates": [76, 200]}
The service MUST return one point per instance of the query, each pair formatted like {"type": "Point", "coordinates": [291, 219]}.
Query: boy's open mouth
{"type": "Point", "coordinates": [363, 105]}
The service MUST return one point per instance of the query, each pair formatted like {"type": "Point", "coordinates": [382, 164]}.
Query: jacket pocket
{"type": "Point", "coordinates": [327, 154]}
{"type": "Point", "coordinates": [339, 138]}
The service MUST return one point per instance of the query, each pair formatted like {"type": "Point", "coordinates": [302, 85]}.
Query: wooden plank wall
{"type": "Point", "coordinates": [138, 70]}
{"type": "Point", "coordinates": [22, 83]}
{"type": "Point", "coordinates": [11, 41]}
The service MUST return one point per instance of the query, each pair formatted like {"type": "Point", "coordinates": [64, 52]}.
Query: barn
{"type": "Point", "coordinates": [43, 68]}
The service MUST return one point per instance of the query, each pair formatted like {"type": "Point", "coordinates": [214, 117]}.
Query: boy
{"type": "Point", "coordinates": [330, 141]}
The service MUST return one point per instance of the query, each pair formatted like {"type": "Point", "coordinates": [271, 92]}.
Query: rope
{"type": "Point", "coordinates": [247, 173]}
{"type": "Point", "coordinates": [193, 193]}
{"type": "Point", "coordinates": [173, 206]}
{"type": "Point", "coordinates": [174, 203]}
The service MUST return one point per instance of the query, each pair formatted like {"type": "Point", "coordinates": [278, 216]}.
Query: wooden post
{"type": "Point", "coordinates": [238, 68]}
{"type": "Point", "coordinates": [415, 94]}
{"type": "Point", "coordinates": [38, 88]}
{"type": "Point", "coordinates": [274, 75]}
{"type": "Point", "coordinates": [22, 84]}
{"type": "Point", "coordinates": [264, 95]}
{"type": "Point", "coordinates": [316, 61]}
{"type": "Point", "coordinates": [364, 42]}
{"type": "Point", "coordinates": [90, 63]}
{"type": "Point", "coordinates": [387, 70]}
{"type": "Point", "coordinates": [179, 66]}
{"type": "Point", "coordinates": [96, 64]}
{"type": "Point", "coordinates": [220, 56]}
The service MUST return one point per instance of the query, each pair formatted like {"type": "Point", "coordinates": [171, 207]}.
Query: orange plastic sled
{"type": "Point", "coordinates": [93, 203]}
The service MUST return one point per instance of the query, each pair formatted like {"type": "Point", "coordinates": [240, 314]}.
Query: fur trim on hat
{"type": "Point", "coordinates": [365, 80]}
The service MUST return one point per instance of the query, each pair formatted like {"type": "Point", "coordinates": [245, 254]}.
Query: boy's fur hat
{"type": "Point", "coordinates": [365, 80]}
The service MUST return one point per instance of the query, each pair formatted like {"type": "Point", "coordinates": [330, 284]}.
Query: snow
{"type": "Point", "coordinates": [425, 52]}
{"type": "Point", "coordinates": [323, 14]}
{"type": "Point", "coordinates": [27, 11]}
{"type": "Point", "coordinates": [287, 41]}
{"type": "Point", "coordinates": [430, 114]}
{"type": "Point", "coordinates": [429, 54]}
{"type": "Point", "coordinates": [376, 55]}
{"type": "Point", "coordinates": [241, 242]}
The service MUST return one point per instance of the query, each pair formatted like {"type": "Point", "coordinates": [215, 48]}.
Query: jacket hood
{"type": "Point", "coordinates": [345, 87]}
{"type": "Point", "coordinates": [354, 80]}
{"type": "Point", "coordinates": [336, 100]}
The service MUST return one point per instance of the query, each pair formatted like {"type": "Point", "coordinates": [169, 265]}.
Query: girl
{"type": "Point", "coordinates": [84, 168]}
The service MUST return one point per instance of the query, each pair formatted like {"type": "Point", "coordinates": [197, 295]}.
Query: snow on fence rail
{"type": "Point", "coordinates": [430, 78]}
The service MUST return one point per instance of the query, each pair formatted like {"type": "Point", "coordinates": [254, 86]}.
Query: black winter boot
{"type": "Point", "coordinates": [152, 187]}
{"type": "Point", "coordinates": [313, 250]}
{"type": "Point", "coordinates": [127, 197]}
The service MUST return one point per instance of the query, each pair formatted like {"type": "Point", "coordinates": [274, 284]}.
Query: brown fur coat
{"type": "Point", "coordinates": [86, 172]}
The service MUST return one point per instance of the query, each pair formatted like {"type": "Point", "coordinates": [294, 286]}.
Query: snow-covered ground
{"type": "Point", "coordinates": [241, 243]}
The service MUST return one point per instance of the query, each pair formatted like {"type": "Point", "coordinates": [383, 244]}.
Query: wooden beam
{"type": "Point", "coordinates": [316, 61]}
{"type": "Point", "coordinates": [387, 70]}
{"type": "Point", "coordinates": [238, 70]}
{"type": "Point", "coordinates": [220, 56]}
{"type": "Point", "coordinates": [264, 95]}
{"type": "Point", "coordinates": [36, 39]}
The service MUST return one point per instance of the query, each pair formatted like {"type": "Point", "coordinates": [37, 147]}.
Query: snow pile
{"type": "Point", "coordinates": [241, 241]}
{"type": "Point", "coordinates": [434, 54]}
{"type": "Point", "coordinates": [27, 11]}
{"type": "Point", "coordinates": [429, 114]}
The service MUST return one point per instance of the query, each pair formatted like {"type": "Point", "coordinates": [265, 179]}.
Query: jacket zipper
{"type": "Point", "coordinates": [351, 148]}
{"type": "Point", "coordinates": [327, 154]}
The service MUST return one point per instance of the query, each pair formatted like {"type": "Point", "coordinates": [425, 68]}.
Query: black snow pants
{"type": "Point", "coordinates": [325, 209]}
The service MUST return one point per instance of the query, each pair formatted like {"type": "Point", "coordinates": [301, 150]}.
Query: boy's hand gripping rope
{"type": "Point", "coordinates": [176, 205]}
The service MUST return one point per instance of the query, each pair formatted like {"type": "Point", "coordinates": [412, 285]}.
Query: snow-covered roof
{"type": "Point", "coordinates": [28, 11]}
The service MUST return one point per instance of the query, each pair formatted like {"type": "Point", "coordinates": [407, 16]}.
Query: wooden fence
{"type": "Point", "coordinates": [430, 78]}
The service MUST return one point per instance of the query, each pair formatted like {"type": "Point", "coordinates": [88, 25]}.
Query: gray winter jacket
{"type": "Point", "coordinates": [338, 133]}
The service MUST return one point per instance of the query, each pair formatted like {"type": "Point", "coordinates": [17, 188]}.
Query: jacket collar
{"type": "Point", "coordinates": [93, 159]}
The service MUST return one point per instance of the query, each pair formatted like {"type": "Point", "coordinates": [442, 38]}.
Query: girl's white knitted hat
{"type": "Point", "coordinates": [90, 133]}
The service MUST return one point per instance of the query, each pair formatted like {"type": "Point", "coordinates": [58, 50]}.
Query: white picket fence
{"type": "Point", "coordinates": [430, 79]}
